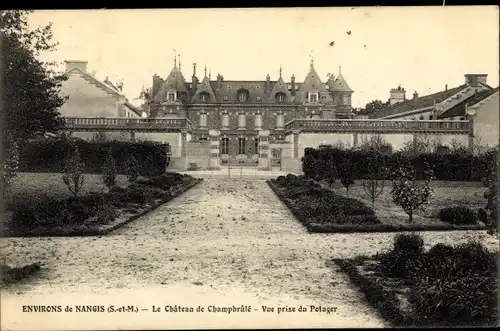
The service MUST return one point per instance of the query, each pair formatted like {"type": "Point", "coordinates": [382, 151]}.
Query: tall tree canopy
{"type": "Point", "coordinates": [30, 86]}
{"type": "Point", "coordinates": [373, 107]}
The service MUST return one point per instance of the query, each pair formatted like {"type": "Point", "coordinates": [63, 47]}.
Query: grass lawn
{"type": "Point", "coordinates": [446, 194]}
{"type": "Point", "coordinates": [38, 186]}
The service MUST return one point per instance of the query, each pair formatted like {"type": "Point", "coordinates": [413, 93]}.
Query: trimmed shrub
{"type": "Point", "coordinates": [458, 215]}
{"type": "Point", "coordinates": [407, 249]}
{"type": "Point", "coordinates": [48, 155]}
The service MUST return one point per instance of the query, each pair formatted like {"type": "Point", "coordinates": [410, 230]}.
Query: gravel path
{"type": "Point", "coordinates": [223, 243]}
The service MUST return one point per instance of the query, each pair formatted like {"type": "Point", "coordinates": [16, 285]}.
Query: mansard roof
{"type": "Point", "coordinates": [460, 108]}
{"type": "Point", "coordinates": [418, 103]}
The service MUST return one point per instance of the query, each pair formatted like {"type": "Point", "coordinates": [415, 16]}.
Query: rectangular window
{"type": "Point", "coordinates": [241, 145]}
{"type": "Point", "coordinates": [203, 120]}
{"type": "Point", "coordinates": [242, 97]}
{"type": "Point", "coordinates": [256, 150]}
{"type": "Point", "coordinates": [242, 121]}
{"type": "Point", "coordinates": [225, 121]}
{"type": "Point", "coordinates": [259, 98]}
{"type": "Point", "coordinates": [171, 96]}
{"type": "Point", "coordinates": [226, 98]}
{"type": "Point", "coordinates": [203, 97]}
{"type": "Point", "coordinates": [280, 121]}
{"type": "Point", "coordinates": [224, 146]}
{"type": "Point", "coordinates": [258, 121]}
{"type": "Point", "coordinates": [313, 97]}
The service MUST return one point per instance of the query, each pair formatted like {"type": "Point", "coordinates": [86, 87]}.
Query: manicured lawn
{"type": "Point", "coordinates": [39, 186]}
{"type": "Point", "coordinates": [323, 208]}
{"type": "Point", "coordinates": [41, 205]}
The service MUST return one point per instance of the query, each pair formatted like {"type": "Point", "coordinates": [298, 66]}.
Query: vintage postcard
{"type": "Point", "coordinates": [249, 168]}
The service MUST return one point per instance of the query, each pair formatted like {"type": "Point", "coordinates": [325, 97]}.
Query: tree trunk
{"type": "Point", "coordinates": [410, 214]}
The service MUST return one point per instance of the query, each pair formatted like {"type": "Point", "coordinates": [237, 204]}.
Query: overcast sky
{"type": "Point", "coordinates": [421, 48]}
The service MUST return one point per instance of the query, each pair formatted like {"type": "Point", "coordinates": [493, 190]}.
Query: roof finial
{"type": "Point", "coordinates": [205, 70]}
{"type": "Point", "coordinates": [209, 74]}
{"type": "Point", "coordinates": [179, 62]}
{"type": "Point", "coordinates": [340, 69]}
{"type": "Point", "coordinates": [280, 70]}
{"type": "Point", "coordinates": [175, 59]}
{"type": "Point", "coordinates": [312, 59]}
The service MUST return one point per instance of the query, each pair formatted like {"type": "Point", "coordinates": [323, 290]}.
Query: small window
{"type": "Point", "coordinates": [226, 98]}
{"type": "Point", "coordinates": [431, 117]}
{"type": "Point", "coordinates": [256, 150]}
{"type": "Point", "coordinates": [259, 98]}
{"type": "Point", "coordinates": [171, 96]}
{"type": "Point", "coordinates": [280, 97]}
{"type": "Point", "coordinates": [313, 97]}
{"type": "Point", "coordinates": [241, 145]}
{"type": "Point", "coordinates": [224, 146]}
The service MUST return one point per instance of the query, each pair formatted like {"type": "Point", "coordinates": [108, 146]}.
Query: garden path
{"type": "Point", "coordinates": [224, 242]}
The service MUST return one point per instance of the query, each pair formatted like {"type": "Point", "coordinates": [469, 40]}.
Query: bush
{"type": "Point", "coordinates": [456, 285]}
{"type": "Point", "coordinates": [407, 249]}
{"type": "Point", "coordinates": [137, 193]}
{"type": "Point", "coordinates": [458, 215]}
{"type": "Point", "coordinates": [48, 155]}
{"type": "Point", "coordinates": [73, 210]}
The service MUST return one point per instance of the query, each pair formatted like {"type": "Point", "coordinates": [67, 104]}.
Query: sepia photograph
{"type": "Point", "coordinates": [240, 168]}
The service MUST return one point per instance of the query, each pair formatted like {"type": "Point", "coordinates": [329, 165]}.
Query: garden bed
{"type": "Point", "coordinates": [303, 197]}
{"type": "Point", "coordinates": [445, 286]}
{"type": "Point", "coordinates": [95, 213]}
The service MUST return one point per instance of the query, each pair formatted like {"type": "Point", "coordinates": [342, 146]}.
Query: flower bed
{"type": "Point", "coordinates": [321, 210]}
{"type": "Point", "coordinates": [95, 213]}
{"type": "Point", "coordinates": [444, 286]}
{"type": "Point", "coordinates": [316, 207]}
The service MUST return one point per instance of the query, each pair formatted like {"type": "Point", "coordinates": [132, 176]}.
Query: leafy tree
{"type": "Point", "coordinates": [109, 171]}
{"type": "Point", "coordinates": [73, 175]}
{"type": "Point", "coordinates": [373, 107]}
{"type": "Point", "coordinates": [374, 185]}
{"type": "Point", "coordinates": [346, 171]}
{"type": "Point", "coordinates": [30, 87]}
{"type": "Point", "coordinates": [408, 192]}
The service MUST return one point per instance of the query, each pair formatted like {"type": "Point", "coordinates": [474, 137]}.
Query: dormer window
{"type": "Point", "coordinates": [204, 96]}
{"type": "Point", "coordinates": [242, 95]}
{"type": "Point", "coordinates": [280, 97]}
{"type": "Point", "coordinates": [313, 97]}
{"type": "Point", "coordinates": [171, 96]}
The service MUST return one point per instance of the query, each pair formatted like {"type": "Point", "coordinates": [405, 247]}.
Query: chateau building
{"type": "Point", "coordinates": [240, 108]}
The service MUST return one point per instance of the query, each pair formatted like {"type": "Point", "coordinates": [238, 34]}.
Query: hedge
{"type": "Point", "coordinates": [49, 155]}
{"type": "Point", "coordinates": [323, 163]}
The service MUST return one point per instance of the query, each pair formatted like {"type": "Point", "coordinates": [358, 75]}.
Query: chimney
{"type": "Point", "coordinates": [93, 73]}
{"type": "Point", "coordinates": [219, 81]}
{"type": "Point", "coordinates": [415, 95]}
{"type": "Point", "coordinates": [475, 79]}
{"type": "Point", "coordinates": [72, 64]}
{"type": "Point", "coordinates": [293, 85]}
{"type": "Point", "coordinates": [397, 95]}
{"type": "Point", "coordinates": [446, 87]}
{"type": "Point", "coordinates": [268, 83]}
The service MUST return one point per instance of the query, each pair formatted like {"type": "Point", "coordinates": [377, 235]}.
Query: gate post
{"type": "Point", "coordinates": [214, 149]}
{"type": "Point", "coordinates": [264, 157]}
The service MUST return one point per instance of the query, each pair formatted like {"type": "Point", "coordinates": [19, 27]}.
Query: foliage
{"type": "Point", "coordinates": [373, 107]}
{"type": "Point", "coordinates": [489, 215]}
{"type": "Point", "coordinates": [10, 162]}
{"type": "Point", "coordinates": [30, 87]}
{"type": "Point", "coordinates": [374, 185]}
{"type": "Point", "coordinates": [48, 155]}
{"type": "Point", "coordinates": [109, 170]}
{"type": "Point", "coordinates": [406, 248]}
{"type": "Point", "coordinates": [458, 215]}
{"type": "Point", "coordinates": [73, 176]}
{"type": "Point", "coordinates": [408, 192]}
{"type": "Point", "coordinates": [132, 167]}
